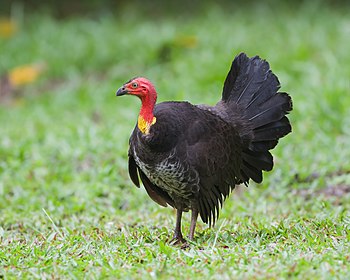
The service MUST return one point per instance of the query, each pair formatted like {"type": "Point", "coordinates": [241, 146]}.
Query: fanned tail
{"type": "Point", "coordinates": [251, 87]}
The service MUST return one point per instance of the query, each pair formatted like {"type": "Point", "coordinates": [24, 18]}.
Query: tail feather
{"type": "Point", "coordinates": [262, 162]}
{"type": "Point", "coordinates": [262, 145]}
{"type": "Point", "coordinates": [232, 76]}
{"type": "Point", "coordinates": [273, 130]}
{"type": "Point", "coordinates": [249, 81]}
{"type": "Point", "coordinates": [271, 84]}
{"type": "Point", "coordinates": [271, 110]}
{"type": "Point", "coordinates": [253, 88]}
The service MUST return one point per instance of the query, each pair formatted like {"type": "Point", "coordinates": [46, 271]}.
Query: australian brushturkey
{"type": "Point", "coordinates": [192, 156]}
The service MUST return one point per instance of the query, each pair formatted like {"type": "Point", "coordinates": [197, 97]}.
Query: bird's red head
{"type": "Point", "coordinates": [140, 87]}
{"type": "Point", "coordinates": [144, 89]}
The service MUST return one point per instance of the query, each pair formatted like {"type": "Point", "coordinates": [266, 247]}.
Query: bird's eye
{"type": "Point", "coordinates": [134, 85]}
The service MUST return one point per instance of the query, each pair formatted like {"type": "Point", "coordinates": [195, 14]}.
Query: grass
{"type": "Point", "coordinates": [67, 206]}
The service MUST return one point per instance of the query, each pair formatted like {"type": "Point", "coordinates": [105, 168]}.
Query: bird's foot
{"type": "Point", "coordinates": [178, 240]}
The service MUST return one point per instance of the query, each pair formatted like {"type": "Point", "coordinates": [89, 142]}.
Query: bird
{"type": "Point", "coordinates": [191, 157]}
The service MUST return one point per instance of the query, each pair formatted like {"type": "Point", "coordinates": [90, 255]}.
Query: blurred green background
{"type": "Point", "coordinates": [67, 206]}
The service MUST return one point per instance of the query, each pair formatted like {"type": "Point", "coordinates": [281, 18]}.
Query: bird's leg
{"type": "Point", "coordinates": [194, 216]}
{"type": "Point", "coordinates": [177, 233]}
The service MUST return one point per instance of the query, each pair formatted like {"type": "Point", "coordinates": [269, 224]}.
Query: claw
{"type": "Point", "coordinates": [177, 240]}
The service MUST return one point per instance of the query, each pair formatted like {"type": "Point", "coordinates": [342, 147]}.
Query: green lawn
{"type": "Point", "coordinates": [67, 206]}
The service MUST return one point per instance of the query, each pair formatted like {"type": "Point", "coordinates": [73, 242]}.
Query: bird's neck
{"type": "Point", "coordinates": [146, 118]}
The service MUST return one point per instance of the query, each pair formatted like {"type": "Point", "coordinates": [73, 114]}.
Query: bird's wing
{"type": "Point", "coordinates": [133, 172]}
{"type": "Point", "coordinates": [213, 149]}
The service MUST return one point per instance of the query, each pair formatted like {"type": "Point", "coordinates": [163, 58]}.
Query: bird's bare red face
{"type": "Point", "coordinates": [139, 86]}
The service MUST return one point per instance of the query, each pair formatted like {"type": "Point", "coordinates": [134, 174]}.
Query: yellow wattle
{"type": "Point", "coordinates": [144, 125]}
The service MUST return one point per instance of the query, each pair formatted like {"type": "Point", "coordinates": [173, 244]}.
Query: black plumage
{"type": "Point", "coordinates": [192, 156]}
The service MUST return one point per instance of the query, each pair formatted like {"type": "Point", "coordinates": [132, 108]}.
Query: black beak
{"type": "Point", "coordinates": [121, 91]}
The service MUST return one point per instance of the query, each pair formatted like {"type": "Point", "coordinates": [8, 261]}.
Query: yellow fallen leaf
{"type": "Point", "coordinates": [25, 74]}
